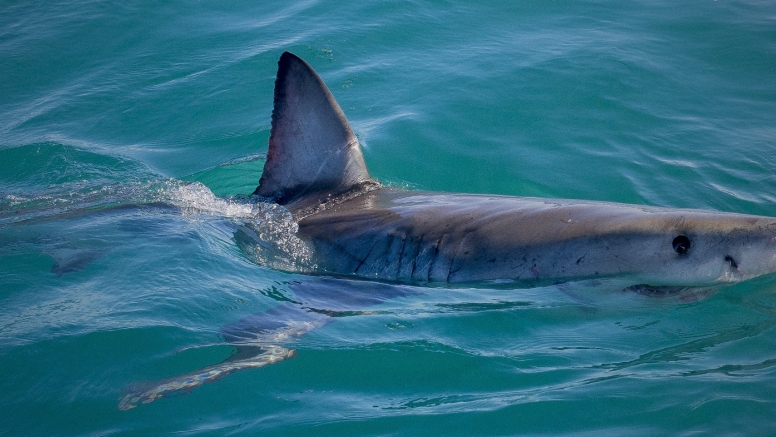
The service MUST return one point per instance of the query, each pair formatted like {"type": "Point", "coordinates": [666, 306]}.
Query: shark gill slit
{"type": "Point", "coordinates": [434, 258]}
{"type": "Point", "coordinates": [401, 256]}
{"type": "Point", "coordinates": [415, 258]}
{"type": "Point", "coordinates": [455, 255]}
{"type": "Point", "coordinates": [365, 257]}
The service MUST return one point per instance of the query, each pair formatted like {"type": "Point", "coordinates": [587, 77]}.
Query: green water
{"type": "Point", "coordinates": [105, 106]}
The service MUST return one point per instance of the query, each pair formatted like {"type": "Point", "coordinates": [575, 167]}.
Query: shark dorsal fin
{"type": "Point", "coordinates": [312, 150]}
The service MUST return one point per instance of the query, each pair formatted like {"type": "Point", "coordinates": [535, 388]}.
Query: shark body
{"type": "Point", "coordinates": [356, 227]}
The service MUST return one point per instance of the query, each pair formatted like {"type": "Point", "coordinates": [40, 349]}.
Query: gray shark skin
{"type": "Point", "coordinates": [358, 228]}
{"type": "Point", "coordinates": [436, 238]}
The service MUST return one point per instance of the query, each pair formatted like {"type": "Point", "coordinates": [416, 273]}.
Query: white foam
{"type": "Point", "coordinates": [271, 226]}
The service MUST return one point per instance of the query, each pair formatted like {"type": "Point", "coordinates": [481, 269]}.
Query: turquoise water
{"type": "Point", "coordinates": [109, 110]}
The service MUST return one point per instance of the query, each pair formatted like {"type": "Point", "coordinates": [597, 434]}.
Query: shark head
{"type": "Point", "coordinates": [711, 248]}
{"type": "Point", "coordinates": [662, 247]}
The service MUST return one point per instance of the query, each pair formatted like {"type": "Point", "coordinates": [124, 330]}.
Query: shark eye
{"type": "Point", "coordinates": [681, 244]}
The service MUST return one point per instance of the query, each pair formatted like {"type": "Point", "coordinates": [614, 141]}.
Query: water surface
{"type": "Point", "coordinates": [111, 113]}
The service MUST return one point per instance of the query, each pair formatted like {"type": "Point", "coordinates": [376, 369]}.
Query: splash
{"type": "Point", "coordinates": [266, 232]}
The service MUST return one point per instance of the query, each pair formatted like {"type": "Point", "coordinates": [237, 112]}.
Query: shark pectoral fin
{"type": "Point", "coordinates": [256, 340]}
{"type": "Point", "coordinates": [257, 337]}
{"type": "Point", "coordinates": [183, 384]}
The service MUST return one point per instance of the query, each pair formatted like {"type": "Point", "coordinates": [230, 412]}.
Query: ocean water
{"type": "Point", "coordinates": [131, 134]}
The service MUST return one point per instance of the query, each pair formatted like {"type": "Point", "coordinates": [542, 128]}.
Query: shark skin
{"type": "Point", "coordinates": [397, 236]}
{"type": "Point", "coordinates": [357, 228]}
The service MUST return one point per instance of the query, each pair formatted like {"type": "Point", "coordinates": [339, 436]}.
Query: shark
{"type": "Point", "coordinates": [385, 240]}
{"type": "Point", "coordinates": [357, 227]}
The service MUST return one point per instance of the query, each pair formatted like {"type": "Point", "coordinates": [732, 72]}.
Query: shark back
{"type": "Point", "coordinates": [312, 150]}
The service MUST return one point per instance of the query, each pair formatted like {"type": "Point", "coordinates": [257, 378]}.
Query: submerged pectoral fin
{"type": "Point", "coordinates": [183, 384]}
{"type": "Point", "coordinates": [256, 339]}
{"type": "Point", "coordinates": [259, 339]}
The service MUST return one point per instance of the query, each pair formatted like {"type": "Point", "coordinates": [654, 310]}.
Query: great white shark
{"type": "Point", "coordinates": [358, 228]}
